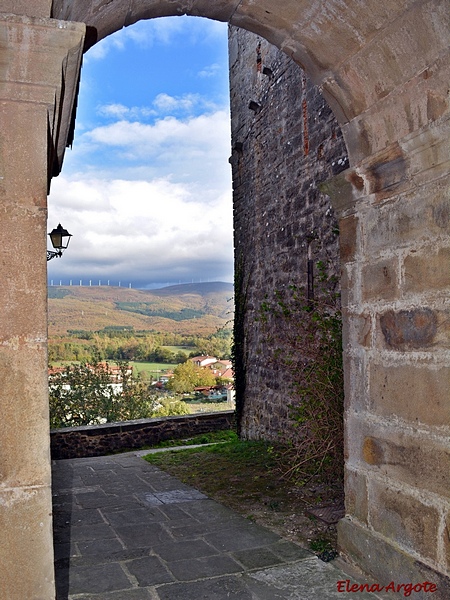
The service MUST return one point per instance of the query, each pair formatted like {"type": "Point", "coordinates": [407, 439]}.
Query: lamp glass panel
{"type": "Point", "coordinates": [56, 237]}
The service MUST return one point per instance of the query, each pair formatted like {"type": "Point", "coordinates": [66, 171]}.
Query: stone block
{"type": "Point", "coordinates": [354, 382]}
{"type": "Point", "coordinates": [401, 517]}
{"type": "Point", "coordinates": [221, 10]}
{"type": "Point", "coordinates": [356, 501]}
{"type": "Point", "coordinates": [24, 165]}
{"type": "Point", "coordinates": [24, 430]}
{"type": "Point", "coordinates": [372, 451]}
{"type": "Point", "coordinates": [357, 330]}
{"type": "Point", "coordinates": [384, 561]}
{"type": "Point", "coordinates": [412, 220]}
{"type": "Point", "coordinates": [415, 392]}
{"type": "Point", "coordinates": [24, 302]}
{"type": "Point", "coordinates": [386, 172]}
{"type": "Point", "coordinates": [349, 289]}
{"type": "Point", "coordinates": [26, 559]}
{"type": "Point", "coordinates": [421, 328]}
{"type": "Point", "coordinates": [429, 270]}
{"type": "Point", "coordinates": [408, 329]}
{"type": "Point", "coordinates": [98, 580]}
{"type": "Point", "coordinates": [348, 231]}
{"type": "Point", "coordinates": [140, 9]}
{"type": "Point", "coordinates": [420, 461]}
{"type": "Point", "coordinates": [428, 147]}
{"type": "Point", "coordinates": [30, 8]}
{"type": "Point", "coordinates": [379, 280]}
{"type": "Point", "coordinates": [344, 190]}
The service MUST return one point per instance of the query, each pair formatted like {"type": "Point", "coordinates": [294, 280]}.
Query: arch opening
{"type": "Point", "coordinates": [384, 70]}
{"type": "Point", "coordinates": [308, 212]}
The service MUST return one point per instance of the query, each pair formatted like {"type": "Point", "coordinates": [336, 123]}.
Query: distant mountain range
{"type": "Point", "coordinates": [196, 309]}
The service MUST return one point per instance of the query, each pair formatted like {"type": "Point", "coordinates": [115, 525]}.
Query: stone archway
{"type": "Point", "coordinates": [384, 69]}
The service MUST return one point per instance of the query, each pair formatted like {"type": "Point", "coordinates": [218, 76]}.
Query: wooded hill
{"type": "Point", "coordinates": [190, 309]}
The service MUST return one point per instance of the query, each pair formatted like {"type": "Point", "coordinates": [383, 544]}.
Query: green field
{"type": "Point", "coordinates": [138, 367]}
{"type": "Point", "coordinates": [154, 369]}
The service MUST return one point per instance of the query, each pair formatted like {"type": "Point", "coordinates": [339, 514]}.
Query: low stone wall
{"type": "Point", "coordinates": [98, 440]}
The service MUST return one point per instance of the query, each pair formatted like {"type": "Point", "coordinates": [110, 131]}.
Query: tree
{"type": "Point", "coordinates": [168, 408]}
{"type": "Point", "coordinates": [84, 395]}
{"type": "Point", "coordinates": [180, 357]}
{"type": "Point", "coordinates": [188, 376]}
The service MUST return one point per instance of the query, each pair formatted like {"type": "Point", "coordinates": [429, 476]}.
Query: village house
{"type": "Point", "coordinates": [203, 361]}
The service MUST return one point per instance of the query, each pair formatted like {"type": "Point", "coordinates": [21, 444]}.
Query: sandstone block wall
{"type": "Point", "coordinates": [38, 58]}
{"type": "Point", "coordinates": [396, 349]}
{"type": "Point", "coordinates": [285, 142]}
{"type": "Point", "coordinates": [393, 209]}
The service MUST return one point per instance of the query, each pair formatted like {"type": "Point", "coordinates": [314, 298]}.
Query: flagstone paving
{"type": "Point", "coordinates": [125, 530]}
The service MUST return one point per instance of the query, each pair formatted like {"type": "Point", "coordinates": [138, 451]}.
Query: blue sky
{"type": "Point", "coordinates": [146, 188]}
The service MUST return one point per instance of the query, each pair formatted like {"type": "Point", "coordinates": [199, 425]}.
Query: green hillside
{"type": "Point", "coordinates": [190, 309]}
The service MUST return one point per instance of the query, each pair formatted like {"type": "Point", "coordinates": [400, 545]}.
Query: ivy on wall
{"type": "Point", "coordinates": [305, 341]}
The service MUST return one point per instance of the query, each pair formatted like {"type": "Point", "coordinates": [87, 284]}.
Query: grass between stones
{"type": "Point", "coordinates": [247, 477]}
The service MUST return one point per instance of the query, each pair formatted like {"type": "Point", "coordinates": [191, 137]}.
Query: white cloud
{"type": "Point", "coordinates": [193, 151]}
{"type": "Point", "coordinates": [141, 230]}
{"type": "Point", "coordinates": [157, 208]}
{"type": "Point", "coordinates": [162, 105]}
{"type": "Point", "coordinates": [113, 110]}
{"type": "Point", "coordinates": [210, 70]}
{"type": "Point", "coordinates": [187, 102]}
{"type": "Point", "coordinates": [204, 131]}
{"type": "Point", "coordinates": [119, 111]}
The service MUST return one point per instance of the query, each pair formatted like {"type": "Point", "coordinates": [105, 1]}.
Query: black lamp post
{"type": "Point", "coordinates": [60, 238]}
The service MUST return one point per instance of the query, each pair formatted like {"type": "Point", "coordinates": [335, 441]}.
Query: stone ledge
{"type": "Point", "coordinates": [98, 440]}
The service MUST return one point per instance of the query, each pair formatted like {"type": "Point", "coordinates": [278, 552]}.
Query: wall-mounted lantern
{"type": "Point", "coordinates": [60, 238]}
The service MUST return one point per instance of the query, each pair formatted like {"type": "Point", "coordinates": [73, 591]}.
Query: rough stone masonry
{"type": "Point", "coordinates": [285, 143]}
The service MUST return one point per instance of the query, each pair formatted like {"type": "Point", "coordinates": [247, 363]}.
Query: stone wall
{"type": "Point", "coordinates": [98, 440]}
{"type": "Point", "coordinates": [395, 265]}
{"type": "Point", "coordinates": [396, 277]}
{"type": "Point", "coordinates": [385, 73]}
{"type": "Point", "coordinates": [285, 143]}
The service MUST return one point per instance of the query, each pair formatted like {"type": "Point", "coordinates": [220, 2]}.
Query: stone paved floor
{"type": "Point", "coordinates": [125, 530]}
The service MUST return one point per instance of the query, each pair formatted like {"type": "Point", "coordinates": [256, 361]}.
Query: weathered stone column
{"type": "Point", "coordinates": [39, 67]}
{"type": "Point", "coordinates": [394, 210]}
